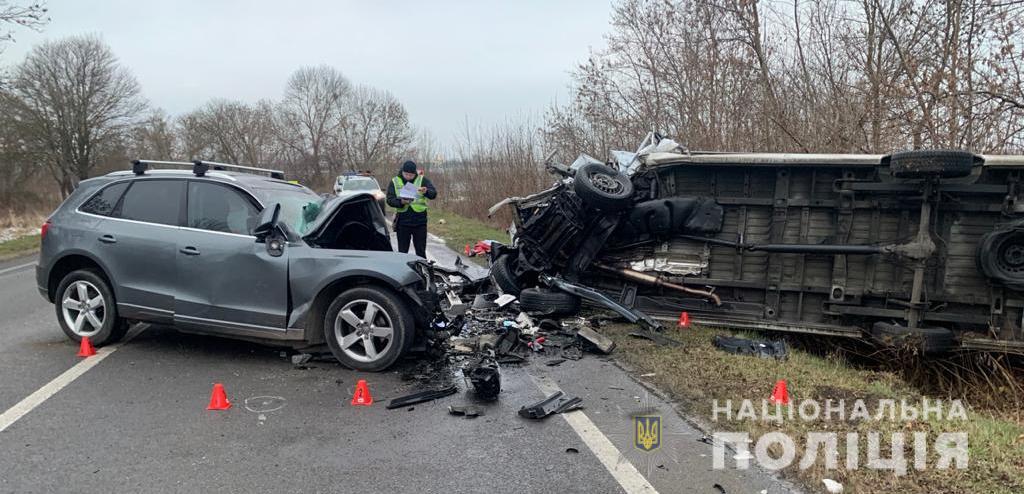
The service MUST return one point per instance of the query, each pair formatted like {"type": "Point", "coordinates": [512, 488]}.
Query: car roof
{"type": "Point", "coordinates": [237, 178]}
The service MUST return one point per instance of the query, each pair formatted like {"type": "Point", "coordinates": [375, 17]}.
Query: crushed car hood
{"type": "Point", "coordinates": [349, 221]}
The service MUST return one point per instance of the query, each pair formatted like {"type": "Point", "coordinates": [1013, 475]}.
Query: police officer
{"type": "Point", "coordinates": [411, 214]}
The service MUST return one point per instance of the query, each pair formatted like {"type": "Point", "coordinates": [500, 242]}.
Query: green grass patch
{"type": "Point", "coordinates": [18, 247]}
{"type": "Point", "coordinates": [457, 231]}
{"type": "Point", "coordinates": [697, 373]}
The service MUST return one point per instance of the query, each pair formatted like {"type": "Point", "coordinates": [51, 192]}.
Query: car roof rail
{"type": "Point", "coordinates": [200, 167]}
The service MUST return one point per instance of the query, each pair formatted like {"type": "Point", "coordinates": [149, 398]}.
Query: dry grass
{"type": "Point", "coordinates": [698, 373]}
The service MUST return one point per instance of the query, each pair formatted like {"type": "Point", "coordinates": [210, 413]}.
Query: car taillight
{"type": "Point", "coordinates": [43, 229]}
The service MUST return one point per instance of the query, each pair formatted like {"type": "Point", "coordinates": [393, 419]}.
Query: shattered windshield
{"type": "Point", "coordinates": [299, 205]}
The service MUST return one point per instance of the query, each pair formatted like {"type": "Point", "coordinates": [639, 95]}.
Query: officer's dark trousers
{"type": "Point", "coordinates": [418, 235]}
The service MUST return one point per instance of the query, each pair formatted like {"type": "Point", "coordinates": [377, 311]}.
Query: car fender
{"type": "Point", "coordinates": [43, 276]}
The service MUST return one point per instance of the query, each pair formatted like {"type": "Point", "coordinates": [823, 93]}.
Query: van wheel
{"type": "Point", "coordinates": [86, 308]}
{"type": "Point", "coordinates": [503, 275]}
{"type": "Point", "coordinates": [927, 340]}
{"type": "Point", "coordinates": [368, 328]}
{"type": "Point", "coordinates": [542, 301]}
{"type": "Point", "coordinates": [941, 163]}
{"type": "Point", "coordinates": [603, 187]}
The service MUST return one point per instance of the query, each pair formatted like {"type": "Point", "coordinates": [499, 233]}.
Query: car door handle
{"type": "Point", "coordinates": [189, 251]}
{"type": "Point", "coordinates": [108, 239]}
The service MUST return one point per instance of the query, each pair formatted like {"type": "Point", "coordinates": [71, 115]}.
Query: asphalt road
{"type": "Point", "coordinates": [137, 422]}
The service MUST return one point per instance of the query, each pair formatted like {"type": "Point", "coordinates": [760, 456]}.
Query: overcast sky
{"type": "Point", "coordinates": [447, 61]}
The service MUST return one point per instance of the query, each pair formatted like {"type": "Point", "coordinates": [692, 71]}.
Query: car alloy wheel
{"type": "Point", "coordinates": [83, 308]}
{"type": "Point", "coordinates": [364, 330]}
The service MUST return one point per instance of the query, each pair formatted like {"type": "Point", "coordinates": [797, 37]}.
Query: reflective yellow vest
{"type": "Point", "coordinates": [419, 204]}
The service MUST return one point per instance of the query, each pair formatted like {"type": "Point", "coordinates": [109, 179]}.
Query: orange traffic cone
{"type": "Point", "coordinates": [218, 398]}
{"type": "Point", "coordinates": [86, 349]}
{"type": "Point", "coordinates": [362, 396]}
{"type": "Point", "coordinates": [684, 319]}
{"type": "Point", "coordinates": [466, 250]}
{"type": "Point", "coordinates": [780, 395]}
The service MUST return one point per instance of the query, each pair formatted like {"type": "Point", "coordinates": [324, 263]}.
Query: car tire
{"type": "Point", "coordinates": [541, 301]}
{"type": "Point", "coordinates": [943, 163]}
{"type": "Point", "coordinates": [79, 320]}
{"type": "Point", "coordinates": [603, 187]}
{"type": "Point", "coordinates": [928, 340]}
{"type": "Point", "coordinates": [389, 331]}
{"type": "Point", "coordinates": [503, 275]}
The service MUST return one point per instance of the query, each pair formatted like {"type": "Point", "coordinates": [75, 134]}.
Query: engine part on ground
{"type": "Point", "coordinates": [556, 403]}
{"type": "Point", "coordinates": [652, 280]}
{"type": "Point", "coordinates": [420, 397]}
{"type": "Point", "coordinates": [603, 187]}
{"type": "Point", "coordinates": [597, 340]}
{"type": "Point", "coordinates": [501, 274]}
{"type": "Point", "coordinates": [542, 301]}
{"type": "Point", "coordinates": [742, 346]}
{"type": "Point", "coordinates": [942, 163]}
{"type": "Point", "coordinates": [661, 217]}
{"type": "Point", "coordinates": [468, 411]}
{"type": "Point", "coordinates": [485, 378]}
{"type": "Point", "coordinates": [633, 316]}
{"type": "Point", "coordinates": [1000, 255]}
{"type": "Point", "coordinates": [926, 339]}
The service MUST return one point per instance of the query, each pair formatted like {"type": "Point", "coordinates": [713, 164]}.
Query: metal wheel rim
{"type": "Point", "coordinates": [364, 330]}
{"type": "Point", "coordinates": [1010, 254]}
{"type": "Point", "coordinates": [84, 309]}
{"type": "Point", "coordinates": [605, 183]}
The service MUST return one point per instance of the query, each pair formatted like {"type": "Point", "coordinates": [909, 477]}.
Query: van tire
{"type": "Point", "coordinates": [942, 163]}
{"type": "Point", "coordinates": [541, 301]}
{"type": "Point", "coordinates": [928, 340]}
{"type": "Point", "coordinates": [603, 187]}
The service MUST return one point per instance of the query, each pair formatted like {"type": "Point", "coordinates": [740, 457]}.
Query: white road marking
{"type": "Point", "coordinates": [631, 480]}
{"type": "Point", "coordinates": [15, 268]}
{"type": "Point", "coordinates": [51, 388]}
{"type": "Point", "coordinates": [435, 238]}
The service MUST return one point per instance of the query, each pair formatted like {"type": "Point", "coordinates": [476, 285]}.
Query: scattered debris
{"type": "Point", "coordinates": [468, 411]}
{"type": "Point", "coordinates": [486, 378]}
{"type": "Point", "coordinates": [601, 342]}
{"type": "Point", "coordinates": [719, 488]}
{"type": "Point", "coordinates": [556, 403]}
{"type": "Point", "coordinates": [832, 486]}
{"type": "Point", "coordinates": [743, 346]}
{"type": "Point", "coordinates": [299, 360]}
{"type": "Point", "coordinates": [572, 451]}
{"type": "Point", "coordinates": [505, 299]}
{"type": "Point", "coordinates": [420, 397]}
{"type": "Point", "coordinates": [555, 362]}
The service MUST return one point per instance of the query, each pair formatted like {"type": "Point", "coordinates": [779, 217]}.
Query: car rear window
{"type": "Point", "coordinates": [153, 201]}
{"type": "Point", "coordinates": [103, 202]}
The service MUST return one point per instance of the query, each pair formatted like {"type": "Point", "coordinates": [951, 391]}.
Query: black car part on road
{"type": "Point", "coordinates": [558, 402]}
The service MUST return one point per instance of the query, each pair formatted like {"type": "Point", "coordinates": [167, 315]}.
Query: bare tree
{"type": "Point", "coordinates": [73, 101]}
{"type": "Point", "coordinates": [233, 132]}
{"type": "Point", "coordinates": [376, 132]}
{"type": "Point", "coordinates": [311, 117]}
{"type": "Point", "coordinates": [32, 16]}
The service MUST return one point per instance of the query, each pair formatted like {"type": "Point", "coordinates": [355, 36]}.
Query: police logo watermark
{"type": "Point", "coordinates": [647, 432]}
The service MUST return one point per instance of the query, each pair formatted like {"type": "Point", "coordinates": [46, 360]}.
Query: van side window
{"type": "Point", "coordinates": [153, 201]}
{"type": "Point", "coordinates": [103, 202]}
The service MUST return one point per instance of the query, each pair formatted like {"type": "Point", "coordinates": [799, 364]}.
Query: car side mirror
{"type": "Point", "coordinates": [267, 222]}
